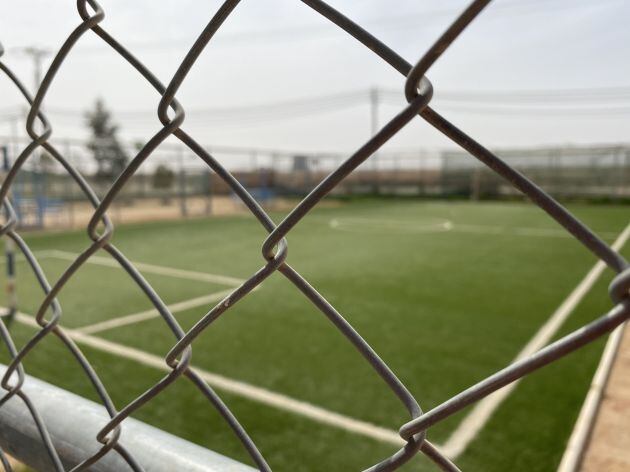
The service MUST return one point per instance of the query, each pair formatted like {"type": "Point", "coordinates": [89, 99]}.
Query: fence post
{"type": "Point", "coordinates": [182, 184]}
{"type": "Point", "coordinates": [69, 186]}
{"type": "Point", "coordinates": [208, 191]}
{"type": "Point", "coordinates": [9, 250]}
{"type": "Point", "coordinates": [251, 177]}
{"type": "Point", "coordinates": [625, 174]}
{"type": "Point", "coordinates": [475, 181]}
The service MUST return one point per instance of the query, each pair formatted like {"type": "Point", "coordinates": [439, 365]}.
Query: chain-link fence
{"type": "Point", "coordinates": [418, 91]}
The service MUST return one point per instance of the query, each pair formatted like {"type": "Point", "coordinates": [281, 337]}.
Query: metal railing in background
{"type": "Point", "coordinates": [418, 91]}
{"type": "Point", "coordinates": [175, 183]}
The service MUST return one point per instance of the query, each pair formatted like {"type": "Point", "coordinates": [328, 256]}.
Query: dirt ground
{"type": "Point", "coordinates": [77, 215]}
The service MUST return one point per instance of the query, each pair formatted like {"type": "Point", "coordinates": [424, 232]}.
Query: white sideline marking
{"type": "Point", "coordinates": [520, 231]}
{"type": "Point", "coordinates": [470, 426]}
{"type": "Point", "coordinates": [433, 225]}
{"type": "Point", "coordinates": [19, 257]}
{"type": "Point", "coordinates": [429, 225]}
{"type": "Point", "coordinates": [152, 313]}
{"type": "Point", "coordinates": [155, 269]}
{"type": "Point", "coordinates": [236, 387]}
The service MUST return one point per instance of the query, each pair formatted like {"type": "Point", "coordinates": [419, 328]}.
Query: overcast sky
{"type": "Point", "coordinates": [278, 50]}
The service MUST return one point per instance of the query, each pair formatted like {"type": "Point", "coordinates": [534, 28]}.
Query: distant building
{"type": "Point", "coordinates": [301, 163]}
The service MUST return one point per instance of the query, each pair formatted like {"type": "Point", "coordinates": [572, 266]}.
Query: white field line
{"type": "Point", "coordinates": [576, 446]}
{"type": "Point", "coordinates": [154, 269]}
{"type": "Point", "coordinates": [433, 225]}
{"type": "Point", "coordinates": [467, 430]}
{"type": "Point", "coordinates": [19, 257]}
{"type": "Point", "coordinates": [236, 387]}
{"type": "Point", "coordinates": [520, 231]}
{"type": "Point", "coordinates": [152, 313]}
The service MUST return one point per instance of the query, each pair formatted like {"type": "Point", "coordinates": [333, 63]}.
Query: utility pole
{"type": "Point", "coordinates": [374, 103]}
{"type": "Point", "coordinates": [37, 55]}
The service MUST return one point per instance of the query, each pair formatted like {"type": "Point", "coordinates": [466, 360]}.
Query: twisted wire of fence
{"type": "Point", "coordinates": [418, 92]}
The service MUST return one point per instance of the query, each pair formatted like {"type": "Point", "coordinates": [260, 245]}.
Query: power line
{"type": "Point", "coordinates": [600, 100]}
{"type": "Point", "coordinates": [543, 112]}
{"type": "Point", "coordinates": [287, 108]}
{"type": "Point", "coordinates": [615, 93]}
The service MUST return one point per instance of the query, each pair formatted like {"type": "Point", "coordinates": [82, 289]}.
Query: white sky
{"type": "Point", "coordinates": [273, 50]}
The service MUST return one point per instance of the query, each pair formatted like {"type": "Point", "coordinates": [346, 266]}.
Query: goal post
{"type": "Point", "coordinates": [9, 251]}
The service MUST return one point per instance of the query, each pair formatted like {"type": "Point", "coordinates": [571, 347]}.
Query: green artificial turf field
{"type": "Point", "coordinates": [445, 292]}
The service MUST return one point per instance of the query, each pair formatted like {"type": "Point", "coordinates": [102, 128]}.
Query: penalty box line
{"type": "Point", "coordinates": [46, 254]}
{"type": "Point", "coordinates": [155, 269]}
{"type": "Point", "coordinates": [232, 282]}
{"type": "Point", "coordinates": [152, 269]}
{"type": "Point", "coordinates": [239, 388]}
{"type": "Point", "coordinates": [147, 268]}
{"type": "Point", "coordinates": [442, 225]}
{"type": "Point", "coordinates": [480, 414]}
{"type": "Point", "coordinates": [152, 313]}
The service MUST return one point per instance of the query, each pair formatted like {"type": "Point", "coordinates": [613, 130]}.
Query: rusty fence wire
{"type": "Point", "coordinates": [418, 91]}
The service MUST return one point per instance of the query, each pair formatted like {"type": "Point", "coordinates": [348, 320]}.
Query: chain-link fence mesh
{"type": "Point", "coordinates": [418, 91]}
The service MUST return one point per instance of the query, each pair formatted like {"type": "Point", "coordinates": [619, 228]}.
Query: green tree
{"type": "Point", "coordinates": [163, 177]}
{"type": "Point", "coordinates": [107, 151]}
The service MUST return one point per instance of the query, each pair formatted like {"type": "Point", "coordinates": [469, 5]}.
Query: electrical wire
{"type": "Point", "coordinates": [601, 101]}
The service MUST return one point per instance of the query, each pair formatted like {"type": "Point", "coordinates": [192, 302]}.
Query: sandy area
{"type": "Point", "coordinates": [77, 215]}
{"type": "Point", "coordinates": [609, 447]}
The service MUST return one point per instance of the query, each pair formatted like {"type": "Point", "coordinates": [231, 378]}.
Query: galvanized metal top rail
{"type": "Point", "coordinates": [61, 411]}
{"type": "Point", "coordinates": [418, 91]}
